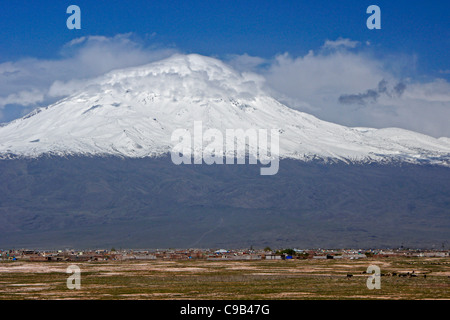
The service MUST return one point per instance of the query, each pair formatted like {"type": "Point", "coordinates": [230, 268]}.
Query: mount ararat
{"type": "Point", "coordinates": [94, 170]}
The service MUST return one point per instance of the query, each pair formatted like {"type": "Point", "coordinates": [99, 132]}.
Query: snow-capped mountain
{"type": "Point", "coordinates": [139, 199]}
{"type": "Point", "coordinates": [133, 113]}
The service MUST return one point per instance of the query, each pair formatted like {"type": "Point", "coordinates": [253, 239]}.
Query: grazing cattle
{"type": "Point", "coordinates": [349, 275]}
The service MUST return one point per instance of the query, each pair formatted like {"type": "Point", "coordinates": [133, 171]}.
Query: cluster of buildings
{"type": "Point", "coordinates": [209, 254]}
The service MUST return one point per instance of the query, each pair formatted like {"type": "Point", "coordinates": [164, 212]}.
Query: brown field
{"type": "Point", "coordinates": [200, 279]}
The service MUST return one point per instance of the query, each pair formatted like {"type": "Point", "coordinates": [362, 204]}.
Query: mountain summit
{"type": "Point", "coordinates": [108, 180]}
{"type": "Point", "coordinates": [133, 112]}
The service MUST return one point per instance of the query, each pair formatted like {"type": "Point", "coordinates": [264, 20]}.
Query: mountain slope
{"type": "Point", "coordinates": [100, 202]}
{"type": "Point", "coordinates": [133, 112]}
{"type": "Point", "coordinates": [92, 170]}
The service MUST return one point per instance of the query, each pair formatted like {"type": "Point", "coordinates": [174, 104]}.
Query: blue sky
{"type": "Point", "coordinates": [264, 36]}
{"type": "Point", "coordinates": [263, 28]}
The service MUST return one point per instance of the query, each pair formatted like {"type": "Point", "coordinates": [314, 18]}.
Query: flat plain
{"type": "Point", "coordinates": [406, 278]}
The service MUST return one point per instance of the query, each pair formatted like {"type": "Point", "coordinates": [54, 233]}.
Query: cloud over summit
{"type": "Point", "coordinates": [31, 81]}
{"type": "Point", "coordinates": [342, 81]}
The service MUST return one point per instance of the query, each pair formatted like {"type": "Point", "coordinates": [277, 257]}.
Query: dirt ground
{"type": "Point", "coordinates": [401, 278]}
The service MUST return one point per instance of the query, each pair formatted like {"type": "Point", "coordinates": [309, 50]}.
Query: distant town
{"type": "Point", "coordinates": [211, 254]}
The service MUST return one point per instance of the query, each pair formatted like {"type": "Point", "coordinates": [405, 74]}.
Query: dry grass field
{"type": "Point", "coordinates": [200, 279]}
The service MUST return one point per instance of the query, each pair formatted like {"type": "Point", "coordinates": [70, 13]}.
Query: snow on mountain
{"type": "Point", "coordinates": [133, 112]}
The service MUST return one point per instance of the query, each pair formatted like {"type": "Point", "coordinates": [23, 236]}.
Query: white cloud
{"type": "Point", "coordinates": [355, 88]}
{"type": "Point", "coordinates": [319, 79]}
{"type": "Point", "coordinates": [436, 91]}
{"type": "Point", "coordinates": [30, 81]}
{"type": "Point", "coordinates": [245, 62]}
{"type": "Point", "coordinates": [340, 43]}
{"type": "Point", "coordinates": [65, 88]}
{"type": "Point", "coordinates": [23, 97]}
